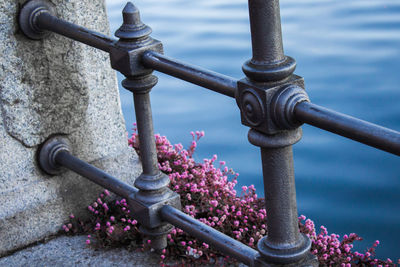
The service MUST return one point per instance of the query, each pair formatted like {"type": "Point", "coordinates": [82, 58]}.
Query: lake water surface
{"type": "Point", "coordinates": [349, 54]}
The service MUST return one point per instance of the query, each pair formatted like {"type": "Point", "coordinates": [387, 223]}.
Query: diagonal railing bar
{"type": "Point", "coordinates": [358, 130]}
{"type": "Point", "coordinates": [367, 133]}
{"type": "Point", "coordinates": [55, 154]}
{"type": "Point", "coordinates": [272, 102]}
{"type": "Point", "coordinates": [305, 112]}
{"type": "Point", "coordinates": [205, 233]}
{"type": "Point", "coordinates": [46, 21]}
{"type": "Point", "coordinates": [208, 79]}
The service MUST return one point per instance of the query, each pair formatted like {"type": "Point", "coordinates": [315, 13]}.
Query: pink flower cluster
{"type": "Point", "coordinates": [208, 194]}
{"type": "Point", "coordinates": [110, 223]}
{"type": "Point", "coordinates": [334, 252]}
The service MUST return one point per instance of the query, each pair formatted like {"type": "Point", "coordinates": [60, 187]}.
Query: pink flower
{"type": "Point", "coordinates": [210, 190]}
{"type": "Point", "coordinates": [214, 203]}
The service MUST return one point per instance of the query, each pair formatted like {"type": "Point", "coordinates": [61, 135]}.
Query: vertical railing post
{"type": "Point", "coordinates": [152, 183]}
{"type": "Point", "coordinates": [271, 99]}
{"type": "Point", "coordinates": [269, 73]}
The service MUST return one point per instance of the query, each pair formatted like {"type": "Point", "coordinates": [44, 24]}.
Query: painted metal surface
{"type": "Point", "coordinates": [205, 233]}
{"type": "Point", "coordinates": [272, 102]}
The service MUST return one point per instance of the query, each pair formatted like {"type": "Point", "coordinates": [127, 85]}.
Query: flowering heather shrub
{"type": "Point", "coordinates": [333, 252]}
{"type": "Point", "coordinates": [207, 194]}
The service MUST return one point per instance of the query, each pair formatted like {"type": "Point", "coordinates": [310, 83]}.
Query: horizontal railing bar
{"type": "Point", "coordinates": [65, 159]}
{"type": "Point", "coordinates": [364, 132]}
{"type": "Point", "coordinates": [344, 125]}
{"type": "Point", "coordinates": [208, 79]}
{"type": "Point", "coordinates": [216, 239]}
{"type": "Point", "coordinates": [197, 75]}
{"type": "Point", "coordinates": [46, 21]}
{"type": "Point", "coordinates": [205, 233]}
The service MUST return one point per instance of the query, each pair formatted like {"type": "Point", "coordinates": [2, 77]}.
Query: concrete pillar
{"type": "Point", "coordinates": [47, 87]}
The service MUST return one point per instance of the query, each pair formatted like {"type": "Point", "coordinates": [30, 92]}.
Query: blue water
{"type": "Point", "coordinates": [349, 54]}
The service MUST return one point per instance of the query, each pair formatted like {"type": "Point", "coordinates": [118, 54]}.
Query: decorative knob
{"type": "Point", "coordinates": [132, 27]}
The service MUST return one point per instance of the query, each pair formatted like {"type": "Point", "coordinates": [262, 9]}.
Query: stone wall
{"type": "Point", "coordinates": [55, 86]}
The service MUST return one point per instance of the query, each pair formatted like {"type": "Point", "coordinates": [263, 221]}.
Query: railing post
{"type": "Point", "coordinates": [271, 99]}
{"type": "Point", "coordinates": [269, 77]}
{"type": "Point", "coordinates": [152, 183]}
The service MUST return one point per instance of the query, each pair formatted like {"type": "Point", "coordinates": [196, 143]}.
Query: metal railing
{"type": "Point", "coordinates": [272, 102]}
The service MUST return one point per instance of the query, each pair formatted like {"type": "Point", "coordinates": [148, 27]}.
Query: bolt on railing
{"type": "Point", "coordinates": [272, 102]}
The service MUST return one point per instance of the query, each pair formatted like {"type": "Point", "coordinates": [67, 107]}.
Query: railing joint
{"type": "Point", "coordinates": [272, 102]}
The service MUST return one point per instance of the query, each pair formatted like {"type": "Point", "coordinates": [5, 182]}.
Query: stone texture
{"type": "Point", "coordinates": [50, 87]}
{"type": "Point", "coordinates": [72, 251]}
{"type": "Point", "coordinates": [36, 209]}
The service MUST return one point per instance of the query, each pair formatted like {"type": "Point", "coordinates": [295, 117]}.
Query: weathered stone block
{"type": "Point", "coordinates": [55, 86]}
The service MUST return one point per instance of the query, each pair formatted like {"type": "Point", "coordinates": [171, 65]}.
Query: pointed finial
{"type": "Point", "coordinates": [132, 27]}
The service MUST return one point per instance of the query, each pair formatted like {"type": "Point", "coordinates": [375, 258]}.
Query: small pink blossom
{"type": "Point", "coordinates": [214, 203]}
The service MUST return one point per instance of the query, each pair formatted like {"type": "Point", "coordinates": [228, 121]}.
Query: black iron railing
{"type": "Point", "coordinates": [272, 102]}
